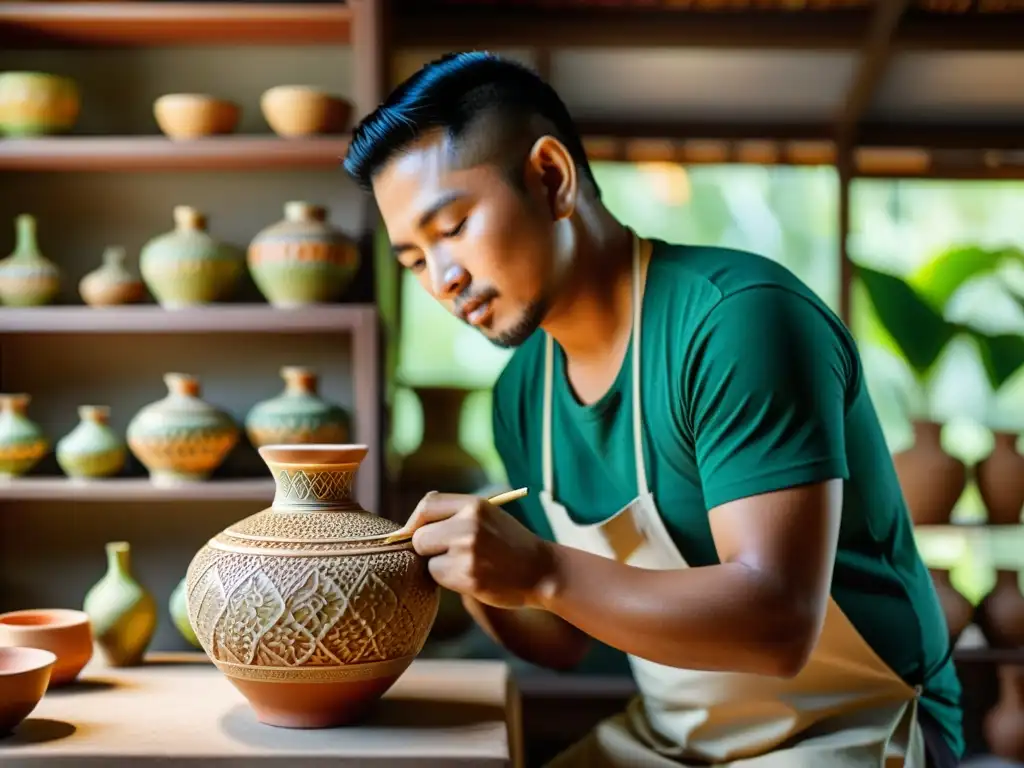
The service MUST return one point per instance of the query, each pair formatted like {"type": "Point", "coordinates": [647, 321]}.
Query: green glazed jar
{"type": "Point", "coordinates": [27, 278]}
{"type": "Point", "coordinates": [91, 449]}
{"type": "Point", "coordinates": [121, 611]}
{"type": "Point", "coordinates": [178, 608]}
{"type": "Point", "coordinates": [37, 103]}
{"type": "Point", "coordinates": [297, 415]}
{"type": "Point", "coordinates": [22, 442]}
{"type": "Point", "coordinates": [186, 267]}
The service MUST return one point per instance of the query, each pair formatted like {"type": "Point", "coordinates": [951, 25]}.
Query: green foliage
{"type": "Point", "coordinates": [1001, 354]}
{"type": "Point", "coordinates": [940, 278]}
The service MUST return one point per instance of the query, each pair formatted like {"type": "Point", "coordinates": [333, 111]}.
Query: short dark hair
{"type": "Point", "coordinates": [455, 92]}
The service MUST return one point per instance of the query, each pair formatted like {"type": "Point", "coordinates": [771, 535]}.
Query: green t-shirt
{"type": "Point", "coordinates": [750, 384]}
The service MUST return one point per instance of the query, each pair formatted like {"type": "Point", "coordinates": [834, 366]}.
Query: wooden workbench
{"type": "Point", "coordinates": [178, 710]}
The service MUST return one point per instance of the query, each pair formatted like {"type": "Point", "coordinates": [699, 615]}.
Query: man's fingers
{"type": "Point", "coordinates": [433, 508]}
{"type": "Point", "coordinates": [435, 538]}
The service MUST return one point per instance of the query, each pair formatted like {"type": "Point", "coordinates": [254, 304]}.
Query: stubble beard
{"type": "Point", "coordinates": [530, 321]}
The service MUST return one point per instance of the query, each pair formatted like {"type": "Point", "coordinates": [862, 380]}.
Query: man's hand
{"type": "Point", "coordinates": [478, 550]}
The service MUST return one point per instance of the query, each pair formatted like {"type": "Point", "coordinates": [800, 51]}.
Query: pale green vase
{"type": "Point", "coordinates": [298, 414]}
{"type": "Point", "coordinates": [27, 278]}
{"type": "Point", "coordinates": [178, 608]}
{"type": "Point", "coordinates": [22, 442]}
{"type": "Point", "coordinates": [92, 449]}
{"type": "Point", "coordinates": [121, 611]}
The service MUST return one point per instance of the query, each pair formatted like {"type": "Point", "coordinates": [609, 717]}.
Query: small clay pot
{"type": "Point", "coordinates": [299, 110]}
{"type": "Point", "coordinates": [24, 676]}
{"type": "Point", "coordinates": [930, 478]}
{"type": "Point", "coordinates": [1002, 612]}
{"type": "Point", "coordinates": [1004, 723]}
{"type": "Point", "coordinates": [184, 116]}
{"type": "Point", "coordinates": [1000, 478]}
{"type": "Point", "coordinates": [63, 632]}
{"type": "Point", "coordinates": [957, 609]}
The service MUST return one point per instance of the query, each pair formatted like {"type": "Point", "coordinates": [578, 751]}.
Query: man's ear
{"type": "Point", "coordinates": [551, 166]}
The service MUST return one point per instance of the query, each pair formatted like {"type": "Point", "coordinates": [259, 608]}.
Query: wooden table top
{"type": "Point", "coordinates": [178, 710]}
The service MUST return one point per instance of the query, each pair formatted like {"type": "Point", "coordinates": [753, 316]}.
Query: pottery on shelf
{"type": "Point", "coordinates": [1002, 612]}
{"type": "Point", "coordinates": [181, 438]}
{"type": "Point", "coordinates": [92, 448]}
{"type": "Point", "coordinates": [122, 612]}
{"type": "Point", "coordinates": [184, 116]}
{"type": "Point", "coordinates": [24, 677]}
{"type": "Point", "coordinates": [957, 609]}
{"type": "Point", "coordinates": [186, 266]}
{"type": "Point", "coordinates": [303, 606]}
{"type": "Point", "coordinates": [299, 110]}
{"type": "Point", "coordinates": [301, 259]}
{"type": "Point", "coordinates": [177, 607]}
{"type": "Point", "coordinates": [111, 283]}
{"type": "Point", "coordinates": [930, 478]}
{"type": "Point", "coordinates": [65, 633]}
{"type": "Point", "coordinates": [27, 278]}
{"type": "Point", "coordinates": [1004, 723]}
{"type": "Point", "coordinates": [298, 414]}
{"type": "Point", "coordinates": [37, 103]}
{"type": "Point", "coordinates": [22, 442]}
{"type": "Point", "coordinates": [1000, 479]}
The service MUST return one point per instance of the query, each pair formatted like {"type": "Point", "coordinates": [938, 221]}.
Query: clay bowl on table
{"type": "Point", "coordinates": [24, 675]}
{"type": "Point", "coordinates": [184, 116]}
{"type": "Point", "coordinates": [63, 632]}
{"type": "Point", "coordinates": [300, 110]}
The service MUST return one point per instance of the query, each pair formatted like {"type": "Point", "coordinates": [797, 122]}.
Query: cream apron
{"type": "Point", "coordinates": [846, 708]}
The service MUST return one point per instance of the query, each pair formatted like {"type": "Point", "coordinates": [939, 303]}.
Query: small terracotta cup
{"type": "Point", "coordinates": [63, 632]}
{"type": "Point", "coordinates": [184, 116]}
{"type": "Point", "coordinates": [299, 110]}
{"type": "Point", "coordinates": [24, 675]}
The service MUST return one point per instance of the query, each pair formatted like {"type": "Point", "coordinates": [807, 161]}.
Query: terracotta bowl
{"type": "Point", "coordinates": [185, 116]}
{"type": "Point", "coordinates": [64, 633]}
{"type": "Point", "coordinates": [24, 675]}
{"type": "Point", "coordinates": [299, 110]}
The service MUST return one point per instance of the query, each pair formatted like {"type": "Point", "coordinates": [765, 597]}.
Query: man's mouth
{"type": "Point", "coordinates": [476, 312]}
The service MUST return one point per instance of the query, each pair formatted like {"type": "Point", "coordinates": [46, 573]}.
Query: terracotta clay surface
{"type": "Point", "coordinates": [24, 675]}
{"type": "Point", "coordinates": [957, 609]}
{"type": "Point", "coordinates": [65, 633]}
{"type": "Point", "coordinates": [1000, 477]}
{"type": "Point", "coordinates": [930, 478]}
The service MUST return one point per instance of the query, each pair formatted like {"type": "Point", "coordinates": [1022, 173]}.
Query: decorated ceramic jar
{"type": "Point", "coordinates": [36, 103]}
{"type": "Point", "coordinates": [92, 449]}
{"type": "Point", "coordinates": [304, 606]}
{"type": "Point", "coordinates": [22, 442]}
{"type": "Point", "coordinates": [27, 278]}
{"type": "Point", "coordinates": [298, 414]}
{"type": "Point", "coordinates": [111, 283]}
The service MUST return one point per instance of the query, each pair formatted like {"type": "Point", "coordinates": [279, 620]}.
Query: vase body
{"type": "Point", "coordinates": [187, 267]}
{"type": "Point", "coordinates": [36, 104]}
{"type": "Point", "coordinates": [298, 415]}
{"type": "Point", "coordinates": [177, 607]}
{"type": "Point", "coordinates": [1004, 723]}
{"type": "Point", "coordinates": [302, 260]}
{"type": "Point", "coordinates": [181, 438]}
{"type": "Point", "coordinates": [1000, 479]}
{"type": "Point", "coordinates": [111, 283]}
{"type": "Point", "coordinates": [27, 278]}
{"type": "Point", "coordinates": [121, 611]}
{"type": "Point", "coordinates": [931, 479]}
{"type": "Point", "coordinates": [22, 442]}
{"type": "Point", "coordinates": [957, 609]}
{"type": "Point", "coordinates": [92, 449]}
{"type": "Point", "coordinates": [303, 606]}
{"type": "Point", "coordinates": [1002, 611]}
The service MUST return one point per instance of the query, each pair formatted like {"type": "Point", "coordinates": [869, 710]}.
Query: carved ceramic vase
{"type": "Point", "coordinates": [957, 609]}
{"type": "Point", "coordinates": [37, 103]}
{"type": "Point", "coordinates": [122, 611]}
{"type": "Point", "coordinates": [177, 607]}
{"type": "Point", "coordinates": [181, 438]}
{"type": "Point", "coordinates": [930, 478]}
{"type": "Point", "coordinates": [111, 283]}
{"type": "Point", "coordinates": [22, 442]}
{"type": "Point", "coordinates": [303, 606]}
{"type": "Point", "coordinates": [302, 260]}
{"type": "Point", "coordinates": [92, 449]}
{"type": "Point", "coordinates": [187, 267]}
{"type": "Point", "coordinates": [27, 278]}
{"type": "Point", "coordinates": [297, 415]}
{"type": "Point", "coordinates": [1000, 479]}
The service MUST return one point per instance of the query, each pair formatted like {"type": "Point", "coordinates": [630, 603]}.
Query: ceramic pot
{"type": "Point", "coordinates": [1004, 723]}
{"type": "Point", "coordinates": [92, 449]}
{"type": "Point", "coordinates": [122, 612]}
{"type": "Point", "coordinates": [187, 267]}
{"type": "Point", "coordinates": [302, 260]}
{"type": "Point", "coordinates": [24, 677]}
{"type": "Point", "coordinates": [184, 116]}
{"type": "Point", "coordinates": [66, 634]}
{"type": "Point", "coordinates": [298, 110]}
{"type": "Point", "coordinates": [111, 283]}
{"type": "Point", "coordinates": [297, 415]}
{"type": "Point", "coordinates": [27, 278]}
{"type": "Point", "coordinates": [181, 438]}
{"type": "Point", "coordinates": [1000, 479]}
{"type": "Point", "coordinates": [22, 442]}
{"type": "Point", "coordinates": [303, 606]}
{"type": "Point", "coordinates": [1002, 612]}
{"type": "Point", "coordinates": [178, 609]}
{"type": "Point", "coordinates": [36, 104]}
{"type": "Point", "coordinates": [930, 478]}
{"type": "Point", "coordinates": [957, 609]}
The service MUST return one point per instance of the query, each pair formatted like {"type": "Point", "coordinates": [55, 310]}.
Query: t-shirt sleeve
{"type": "Point", "coordinates": [765, 385]}
{"type": "Point", "coordinates": [508, 442]}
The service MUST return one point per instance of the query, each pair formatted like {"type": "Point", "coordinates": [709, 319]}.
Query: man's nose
{"type": "Point", "coordinates": [450, 281]}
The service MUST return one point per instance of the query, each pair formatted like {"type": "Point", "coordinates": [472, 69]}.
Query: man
{"type": "Point", "coordinates": [709, 488]}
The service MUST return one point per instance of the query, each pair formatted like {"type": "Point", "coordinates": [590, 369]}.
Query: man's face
{"type": "Point", "coordinates": [479, 245]}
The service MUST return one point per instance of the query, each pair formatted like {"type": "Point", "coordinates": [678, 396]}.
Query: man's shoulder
{"type": "Point", "coordinates": [523, 371]}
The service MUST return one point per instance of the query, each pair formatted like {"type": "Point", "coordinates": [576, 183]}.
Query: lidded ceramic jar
{"type": "Point", "coordinates": [298, 414]}
{"type": "Point", "coordinates": [22, 442]}
{"type": "Point", "coordinates": [186, 266]}
{"type": "Point", "coordinates": [303, 606]}
{"type": "Point", "coordinates": [111, 283]}
{"type": "Point", "coordinates": [92, 449]}
{"type": "Point", "coordinates": [181, 438]}
{"type": "Point", "coordinates": [302, 260]}
{"type": "Point", "coordinates": [27, 278]}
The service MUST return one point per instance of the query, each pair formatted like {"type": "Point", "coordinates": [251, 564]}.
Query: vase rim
{"type": "Point", "coordinates": [43, 618]}
{"type": "Point", "coordinates": [314, 453]}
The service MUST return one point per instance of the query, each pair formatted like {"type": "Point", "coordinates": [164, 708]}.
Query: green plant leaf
{"type": "Point", "coordinates": [1001, 354]}
{"type": "Point", "coordinates": [917, 328]}
{"type": "Point", "coordinates": [941, 277]}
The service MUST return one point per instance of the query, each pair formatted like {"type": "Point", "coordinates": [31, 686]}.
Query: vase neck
{"type": "Point", "coordinates": [314, 487]}
{"type": "Point", "coordinates": [187, 218]}
{"type": "Point", "coordinates": [25, 243]}
{"type": "Point", "coordinates": [118, 558]}
{"type": "Point", "coordinates": [1005, 578]}
{"type": "Point", "coordinates": [442, 411]}
{"type": "Point", "coordinates": [94, 414]}
{"type": "Point", "coordinates": [299, 381]}
{"type": "Point", "coordinates": [1005, 440]}
{"type": "Point", "coordinates": [181, 384]}
{"type": "Point", "coordinates": [15, 404]}
{"type": "Point", "coordinates": [927, 433]}
{"type": "Point", "coordinates": [114, 257]}
{"type": "Point", "coordinates": [297, 210]}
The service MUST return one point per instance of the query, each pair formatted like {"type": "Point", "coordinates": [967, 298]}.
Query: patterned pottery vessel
{"type": "Point", "coordinates": [181, 438]}
{"type": "Point", "coordinates": [301, 260]}
{"type": "Point", "coordinates": [303, 606]}
{"type": "Point", "coordinates": [297, 415]}
{"type": "Point", "coordinates": [22, 442]}
{"type": "Point", "coordinates": [111, 283]}
{"type": "Point", "coordinates": [92, 449]}
{"type": "Point", "coordinates": [27, 278]}
{"type": "Point", "coordinates": [36, 104]}
{"type": "Point", "coordinates": [122, 611]}
{"type": "Point", "coordinates": [187, 267]}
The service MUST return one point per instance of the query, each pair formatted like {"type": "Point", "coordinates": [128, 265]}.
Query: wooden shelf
{"type": "Point", "coordinates": [150, 318]}
{"type": "Point", "coordinates": [990, 656]}
{"type": "Point", "coordinates": [133, 489]}
{"type": "Point", "coordinates": [172, 23]}
{"type": "Point", "coordinates": [158, 153]}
